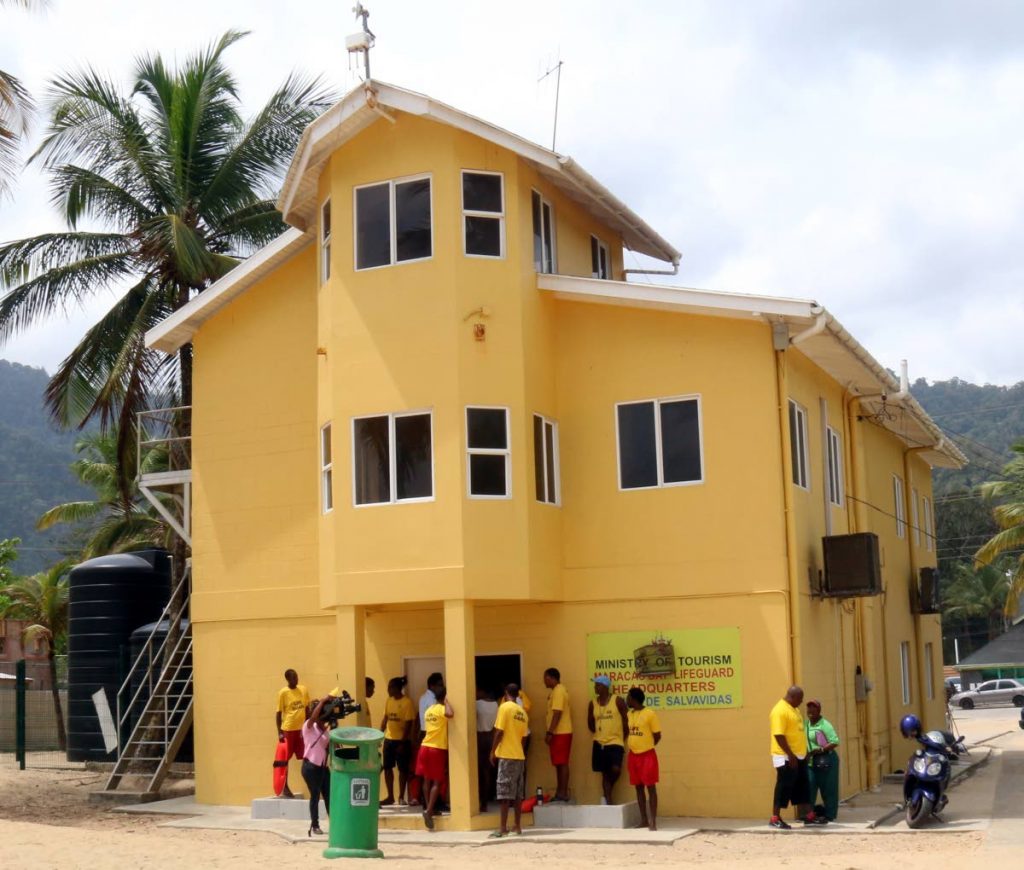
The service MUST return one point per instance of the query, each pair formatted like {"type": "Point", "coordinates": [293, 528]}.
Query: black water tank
{"type": "Point", "coordinates": [110, 597]}
{"type": "Point", "coordinates": [138, 640]}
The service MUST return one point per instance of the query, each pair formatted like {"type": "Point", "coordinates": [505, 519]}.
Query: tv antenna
{"type": "Point", "coordinates": [361, 43]}
{"type": "Point", "coordinates": [557, 70]}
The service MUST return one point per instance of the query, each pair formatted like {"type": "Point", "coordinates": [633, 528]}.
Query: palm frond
{"type": "Point", "coordinates": [16, 108]}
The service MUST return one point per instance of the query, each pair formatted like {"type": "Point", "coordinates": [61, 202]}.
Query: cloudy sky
{"type": "Point", "coordinates": [869, 155]}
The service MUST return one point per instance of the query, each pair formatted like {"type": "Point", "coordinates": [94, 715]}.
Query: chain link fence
{"type": "Point", "coordinates": [34, 714]}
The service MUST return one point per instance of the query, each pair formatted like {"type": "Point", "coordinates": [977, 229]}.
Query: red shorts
{"type": "Point", "coordinates": [432, 763]}
{"type": "Point", "coordinates": [643, 768]}
{"type": "Point", "coordinates": [559, 748]}
{"type": "Point", "coordinates": [293, 740]}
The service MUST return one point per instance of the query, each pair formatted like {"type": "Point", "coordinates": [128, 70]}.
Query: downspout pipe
{"type": "Point", "coordinates": [818, 327]}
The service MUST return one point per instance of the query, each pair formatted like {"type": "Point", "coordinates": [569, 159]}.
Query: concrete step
{"type": "Point", "coordinates": [562, 815]}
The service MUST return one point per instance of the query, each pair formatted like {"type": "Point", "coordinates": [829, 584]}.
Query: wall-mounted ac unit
{"type": "Point", "coordinates": [852, 566]}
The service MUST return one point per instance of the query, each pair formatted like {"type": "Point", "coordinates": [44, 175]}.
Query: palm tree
{"type": "Point", "coordinates": [16, 109]}
{"type": "Point", "coordinates": [978, 593]}
{"type": "Point", "coordinates": [1009, 516]}
{"type": "Point", "coordinates": [42, 601]}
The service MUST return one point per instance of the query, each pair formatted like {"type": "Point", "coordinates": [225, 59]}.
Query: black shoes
{"type": "Point", "coordinates": [776, 822]}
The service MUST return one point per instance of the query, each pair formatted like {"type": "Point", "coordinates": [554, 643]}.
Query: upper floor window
{"type": "Point", "coordinates": [929, 532]}
{"type": "Point", "coordinates": [543, 234]}
{"type": "Point", "coordinates": [659, 443]}
{"type": "Point", "coordinates": [325, 240]}
{"type": "Point", "coordinates": [599, 267]}
{"type": "Point", "coordinates": [488, 456]}
{"type": "Point", "coordinates": [915, 523]}
{"type": "Point", "coordinates": [835, 467]}
{"type": "Point", "coordinates": [392, 458]}
{"type": "Point", "coordinates": [798, 444]}
{"type": "Point", "coordinates": [483, 214]}
{"type": "Point", "coordinates": [900, 505]}
{"type": "Point", "coordinates": [326, 470]}
{"type": "Point", "coordinates": [545, 459]}
{"type": "Point", "coordinates": [393, 222]}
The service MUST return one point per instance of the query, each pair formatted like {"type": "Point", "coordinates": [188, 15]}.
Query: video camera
{"type": "Point", "coordinates": [338, 708]}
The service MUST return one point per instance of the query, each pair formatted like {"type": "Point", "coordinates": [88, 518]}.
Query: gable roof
{"type": "Point", "coordinates": [1005, 651]}
{"type": "Point", "coordinates": [373, 101]}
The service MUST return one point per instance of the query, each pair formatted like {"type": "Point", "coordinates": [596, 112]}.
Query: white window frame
{"type": "Point", "coordinates": [393, 235]}
{"type": "Point", "coordinates": [801, 477]}
{"type": "Point", "coordinates": [915, 523]}
{"type": "Point", "coordinates": [905, 670]}
{"type": "Point", "coordinates": [899, 498]}
{"type": "Point", "coordinates": [326, 469]}
{"type": "Point", "coordinates": [659, 456]}
{"type": "Point", "coordinates": [392, 459]}
{"type": "Point", "coordinates": [326, 231]}
{"type": "Point", "coordinates": [928, 520]}
{"type": "Point", "coordinates": [602, 250]}
{"type": "Point", "coordinates": [544, 201]}
{"type": "Point", "coordinates": [499, 216]}
{"type": "Point", "coordinates": [834, 450]}
{"type": "Point", "coordinates": [929, 671]}
{"type": "Point", "coordinates": [490, 451]}
{"type": "Point", "coordinates": [556, 501]}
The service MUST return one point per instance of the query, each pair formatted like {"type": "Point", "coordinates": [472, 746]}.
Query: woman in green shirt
{"type": "Point", "coordinates": [823, 766]}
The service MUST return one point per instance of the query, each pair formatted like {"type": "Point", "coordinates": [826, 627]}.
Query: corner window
{"type": "Point", "coordinates": [393, 222]}
{"type": "Point", "coordinates": [835, 467]}
{"type": "Point", "coordinates": [659, 443]}
{"type": "Point", "coordinates": [487, 452]}
{"type": "Point", "coordinates": [599, 267]}
{"type": "Point", "coordinates": [392, 458]}
{"type": "Point", "coordinates": [483, 214]}
{"type": "Point", "coordinates": [325, 241]}
{"type": "Point", "coordinates": [905, 670]}
{"type": "Point", "coordinates": [543, 234]}
{"type": "Point", "coordinates": [929, 531]}
{"type": "Point", "coordinates": [326, 471]}
{"type": "Point", "coordinates": [915, 522]}
{"type": "Point", "coordinates": [901, 506]}
{"type": "Point", "coordinates": [798, 444]}
{"type": "Point", "coordinates": [545, 459]}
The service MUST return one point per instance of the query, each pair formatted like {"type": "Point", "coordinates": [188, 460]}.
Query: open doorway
{"type": "Point", "coordinates": [494, 672]}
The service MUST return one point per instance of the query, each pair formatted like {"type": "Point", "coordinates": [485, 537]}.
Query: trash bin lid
{"type": "Point", "coordinates": [356, 735]}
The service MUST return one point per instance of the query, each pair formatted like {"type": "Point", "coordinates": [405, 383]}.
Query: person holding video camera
{"type": "Point", "coordinates": [314, 763]}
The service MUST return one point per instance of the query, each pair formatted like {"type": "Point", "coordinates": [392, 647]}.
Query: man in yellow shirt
{"type": "Point", "coordinates": [292, 704]}
{"type": "Point", "coordinates": [606, 718]}
{"type": "Point", "coordinates": [507, 753]}
{"type": "Point", "coordinates": [789, 756]}
{"type": "Point", "coordinates": [559, 731]}
{"type": "Point", "coordinates": [432, 760]}
{"type": "Point", "coordinates": [644, 735]}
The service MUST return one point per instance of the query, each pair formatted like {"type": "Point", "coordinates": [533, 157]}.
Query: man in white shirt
{"type": "Point", "coordinates": [486, 714]}
{"type": "Point", "coordinates": [428, 699]}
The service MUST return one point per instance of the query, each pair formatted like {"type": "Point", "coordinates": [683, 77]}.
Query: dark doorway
{"type": "Point", "coordinates": [493, 673]}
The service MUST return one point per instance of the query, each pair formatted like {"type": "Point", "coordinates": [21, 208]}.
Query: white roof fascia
{"type": "Point", "coordinates": [178, 329]}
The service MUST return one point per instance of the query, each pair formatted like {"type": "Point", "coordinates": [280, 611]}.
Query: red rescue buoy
{"type": "Point", "coordinates": [280, 767]}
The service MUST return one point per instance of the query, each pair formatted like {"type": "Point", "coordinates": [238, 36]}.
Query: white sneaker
{"type": "Point", "coordinates": [604, 801]}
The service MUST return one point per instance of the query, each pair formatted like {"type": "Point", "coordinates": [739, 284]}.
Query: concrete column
{"type": "Point", "coordinates": [460, 678]}
{"type": "Point", "coordinates": [350, 625]}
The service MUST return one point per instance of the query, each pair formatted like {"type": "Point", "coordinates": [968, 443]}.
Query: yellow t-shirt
{"type": "Point", "coordinates": [292, 704]}
{"type": "Point", "coordinates": [511, 722]}
{"type": "Point", "coordinates": [608, 723]}
{"type": "Point", "coordinates": [643, 725]}
{"type": "Point", "coordinates": [435, 723]}
{"type": "Point", "coordinates": [558, 699]}
{"type": "Point", "coordinates": [398, 711]}
{"type": "Point", "coordinates": [785, 719]}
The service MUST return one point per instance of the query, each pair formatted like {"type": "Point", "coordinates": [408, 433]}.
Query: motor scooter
{"type": "Point", "coordinates": [926, 779]}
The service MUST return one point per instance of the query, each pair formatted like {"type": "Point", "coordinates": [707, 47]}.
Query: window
{"type": "Point", "coordinates": [929, 671]}
{"type": "Point", "coordinates": [488, 457]}
{"type": "Point", "coordinates": [599, 267]}
{"type": "Point", "coordinates": [929, 532]}
{"type": "Point", "coordinates": [393, 223]}
{"type": "Point", "coordinates": [483, 214]}
{"type": "Point", "coordinates": [325, 241]}
{"type": "Point", "coordinates": [543, 234]}
{"type": "Point", "coordinates": [659, 443]}
{"type": "Point", "coordinates": [3, 645]}
{"type": "Point", "coordinates": [798, 444]}
{"type": "Point", "coordinates": [914, 520]}
{"type": "Point", "coordinates": [901, 506]}
{"type": "Point", "coordinates": [835, 467]}
{"type": "Point", "coordinates": [393, 458]}
{"type": "Point", "coordinates": [326, 473]}
{"type": "Point", "coordinates": [905, 670]}
{"type": "Point", "coordinates": [545, 459]}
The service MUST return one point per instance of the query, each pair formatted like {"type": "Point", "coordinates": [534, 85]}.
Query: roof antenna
{"type": "Point", "coordinates": [557, 70]}
{"type": "Point", "coordinates": [361, 43]}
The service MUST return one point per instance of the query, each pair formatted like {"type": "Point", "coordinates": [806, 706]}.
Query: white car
{"type": "Point", "coordinates": [990, 694]}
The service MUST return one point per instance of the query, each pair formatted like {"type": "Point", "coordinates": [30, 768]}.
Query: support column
{"type": "Point", "coordinates": [460, 679]}
{"type": "Point", "coordinates": [350, 627]}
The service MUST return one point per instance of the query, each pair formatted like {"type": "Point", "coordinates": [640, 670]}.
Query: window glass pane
{"type": "Point", "coordinates": [328, 490]}
{"type": "Point", "coordinates": [486, 428]}
{"type": "Point", "coordinates": [412, 456]}
{"type": "Point", "coordinates": [680, 441]}
{"type": "Point", "coordinates": [638, 461]}
{"type": "Point", "coordinates": [538, 457]}
{"type": "Point", "coordinates": [481, 192]}
{"type": "Point", "coordinates": [373, 226]}
{"type": "Point", "coordinates": [595, 258]}
{"type": "Point", "coordinates": [412, 219]}
{"type": "Point", "coordinates": [549, 257]}
{"type": "Point", "coordinates": [373, 475]}
{"type": "Point", "coordinates": [325, 445]}
{"type": "Point", "coordinates": [549, 444]}
{"type": "Point", "coordinates": [487, 474]}
{"type": "Point", "coordinates": [483, 236]}
{"type": "Point", "coordinates": [603, 253]}
{"type": "Point", "coordinates": [538, 234]}
{"type": "Point", "coordinates": [325, 220]}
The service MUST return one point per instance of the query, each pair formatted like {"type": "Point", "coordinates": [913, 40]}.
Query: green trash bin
{"type": "Point", "coordinates": [355, 793]}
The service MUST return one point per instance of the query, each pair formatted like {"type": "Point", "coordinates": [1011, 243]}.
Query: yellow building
{"type": "Point", "coordinates": [434, 426]}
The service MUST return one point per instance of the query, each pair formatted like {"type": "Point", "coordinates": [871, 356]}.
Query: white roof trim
{"type": "Point", "coordinates": [178, 329]}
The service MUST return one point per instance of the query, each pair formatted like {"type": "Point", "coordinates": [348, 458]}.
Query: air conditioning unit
{"type": "Point", "coordinates": [927, 591]}
{"type": "Point", "coordinates": [852, 566]}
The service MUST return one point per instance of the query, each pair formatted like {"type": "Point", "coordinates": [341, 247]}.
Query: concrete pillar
{"type": "Point", "coordinates": [460, 679]}
{"type": "Point", "coordinates": [350, 625]}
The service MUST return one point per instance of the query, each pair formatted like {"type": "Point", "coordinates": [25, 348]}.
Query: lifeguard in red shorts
{"type": "Point", "coordinates": [559, 731]}
{"type": "Point", "coordinates": [292, 704]}
{"type": "Point", "coordinates": [644, 735]}
{"type": "Point", "coordinates": [432, 759]}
